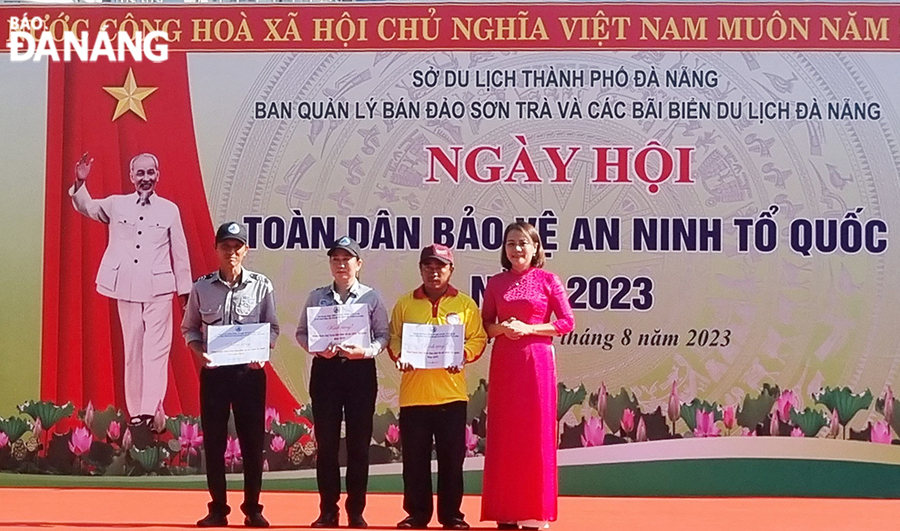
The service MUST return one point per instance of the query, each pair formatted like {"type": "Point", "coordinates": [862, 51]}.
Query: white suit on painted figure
{"type": "Point", "coordinates": [146, 261]}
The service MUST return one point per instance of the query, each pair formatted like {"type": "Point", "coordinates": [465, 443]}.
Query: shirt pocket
{"type": "Point", "coordinates": [108, 272]}
{"type": "Point", "coordinates": [212, 315]}
{"type": "Point", "coordinates": [246, 311]}
{"type": "Point", "coordinates": [122, 229]}
{"type": "Point", "coordinates": [162, 280]}
{"type": "Point", "coordinates": [158, 233]}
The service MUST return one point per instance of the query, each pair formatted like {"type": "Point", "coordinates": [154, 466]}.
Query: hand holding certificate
{"type": "Point", "coordinates": [237, 344]}
{"type": "Point", "coordinates": [345, 324]}
{"type": "Point", "coordinates": [428, 346]}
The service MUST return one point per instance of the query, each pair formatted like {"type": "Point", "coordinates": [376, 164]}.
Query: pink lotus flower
{"type": "Point", "coordinates": [747, 432]}
{"type": "Point", "coordinates": [81, 441]}
{"type": "Point", "coordinates": [796, 432]}
{"type": "Point", "coordinates": [641, 434]}
{"type": "Point", "coordinates": [673, 411]}
{"type": "Point", "coordinates": [787, 401]}
{"type": "Point", "coordinates": [4, 439]}
{"type": "Point", "coordinates": [594, 432]}
{"type": "Point", "coordinates": [602, 400]}
{"type": "Point", "coordinates": [126, 439]}
{"type": "Point", "coordinates": [159, 419]}
{"type": "Point", "coordinates": [190, 437]}
{"type": "Point", "coordinates": [834, 424]}
{"type": "Point", "coordinates": [627, 420]}
{"type": "Point", "coordinates": [232, 452]}
{"type": "Point", "coordinates": [37, 429]}
{"type": "Point", "coordinates": [89, 416]}
{"type": "Point", "coordinates": [889, 405]}
{"type": "Point", "coordinates": [728, 416]}
{"type": "Point", "coordinates": [705, 424]}
{"type": "Point", "coordinates": [881, 433]}
{"type": "Point", "coordinates": [114, 431]}
{"type": "Point", "coordinates": [471, 441]}
{"type": "Point", "coordinates": [272, 416]}
{"type": "Point", "coordinates": [277, 444]}
{"type": "Point", "coordinates": [392, 435]}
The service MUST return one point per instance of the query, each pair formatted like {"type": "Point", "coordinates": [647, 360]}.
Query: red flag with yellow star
{"type": "Point", "coordinates": [114, 111]}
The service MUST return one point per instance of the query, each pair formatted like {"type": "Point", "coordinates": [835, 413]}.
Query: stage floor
{"type": "Point", "coordinates": [129, 509]}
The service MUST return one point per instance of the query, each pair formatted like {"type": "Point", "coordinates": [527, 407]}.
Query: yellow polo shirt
{"type": "Point", "coordinates": [432, 387]}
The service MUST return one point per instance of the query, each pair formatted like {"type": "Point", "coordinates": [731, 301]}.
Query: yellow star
{"type": "Point", "coordinates": [130, 97]}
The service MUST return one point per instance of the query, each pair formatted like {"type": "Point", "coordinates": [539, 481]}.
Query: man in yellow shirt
{"type": "Point", "coordinates": [433, 401]}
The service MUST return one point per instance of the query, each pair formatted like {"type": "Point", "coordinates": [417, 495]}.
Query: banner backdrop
{"type": "Point", "coordinates": [715, 185]}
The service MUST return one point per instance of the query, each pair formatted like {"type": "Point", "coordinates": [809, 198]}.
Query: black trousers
{"type": "Point", "coordinates": [243, 389]}
{"type": "Point", "coordinates": [446, 426]}
{"type": "Point", "coordinates": [342, 389]}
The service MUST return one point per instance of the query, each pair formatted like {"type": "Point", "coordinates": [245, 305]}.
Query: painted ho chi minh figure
{"type": "Point", "coordinates": [146, 262]}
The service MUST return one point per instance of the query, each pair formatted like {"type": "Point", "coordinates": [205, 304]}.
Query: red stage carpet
{"type": "Point", "coordinates": [107, 509]}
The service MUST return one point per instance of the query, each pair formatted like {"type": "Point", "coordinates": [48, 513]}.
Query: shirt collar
{"type": "Point", "coordinates": [353, 291]}
{"type": "Point", "coordinates": [241, 280]}
{"type": "Point", "coordinates": [419, 292]}
{"type": "Point", "coordinates": [137, 199]}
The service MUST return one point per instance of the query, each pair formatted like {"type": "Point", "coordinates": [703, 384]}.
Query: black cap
{"type": "Point", "coordinates": [231, 230]}
{"type": "Point", "coordinates": [347, 244]}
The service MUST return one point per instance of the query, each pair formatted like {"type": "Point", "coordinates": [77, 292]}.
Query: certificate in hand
{"type": "Point", "coordinates": [237, 344]}
{"type": "Point", "coordinates": [345, 324]}
{"type": "Point", "coordinates": [426, 346]}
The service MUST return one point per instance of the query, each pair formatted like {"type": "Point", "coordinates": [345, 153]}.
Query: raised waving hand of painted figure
{"type": "Point", "coordinates": [82, 169]}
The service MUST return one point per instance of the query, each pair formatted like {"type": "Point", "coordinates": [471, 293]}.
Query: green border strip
{"type": "Point", "coordinates": [733, 477]}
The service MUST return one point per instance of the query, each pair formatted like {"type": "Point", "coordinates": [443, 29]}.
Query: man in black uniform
{"type": "Point", "coordinates": [231, 295]}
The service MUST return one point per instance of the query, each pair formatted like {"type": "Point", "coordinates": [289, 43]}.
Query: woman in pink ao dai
{"type": "Point", "coordinates": [520, 304]}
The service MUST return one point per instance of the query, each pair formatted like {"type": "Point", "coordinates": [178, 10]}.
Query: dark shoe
{"type": "Point", "coordinates": [326, 520]}
{"type": "Point", "coordinates": [357, 521]}
{"type": "Point", "coordinates": [213, 520]}
{"type": "Point", "coordinates": [459, 523]}
{"type": "Point", "coordinates": [411, 523]}
{"type": "Point", "coordinates": [255, 520]}
{"type": "Point", "coordinates": [507, 525]}
{"type": "Point", "coordinates": [141, 436]}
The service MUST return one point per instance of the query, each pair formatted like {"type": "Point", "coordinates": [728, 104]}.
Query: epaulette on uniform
{"type": "Point", "coordinates": [207, 276]}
